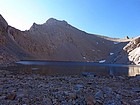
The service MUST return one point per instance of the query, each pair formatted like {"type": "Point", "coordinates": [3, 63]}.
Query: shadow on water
{"type": "Point", "coordinates": [69, 68]}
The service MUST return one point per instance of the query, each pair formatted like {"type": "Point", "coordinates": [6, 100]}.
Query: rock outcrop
{"type": "Point", "coordinates": [133, 50]}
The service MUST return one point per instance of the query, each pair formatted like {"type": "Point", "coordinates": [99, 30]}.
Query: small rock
{"type": "Point", "coordinates": [2, 97]}
{"type": "Point", "coordinates": [20, 95]}
{"type": "Point", "coordinates": [137, 76]}
{"type": "Point", "coordinates": [110, 102]}
{"type": "Point", "coordinates": [89, 83]}
{"type": "Point", "coordinates": [11, 96]}
{"type": "Point", "coordinates": [41, 85]}
{"type": "Point", "coordinates": [88, 74]}
{"type": "Point", "coordinates": [120, 77]}
{"type": "Point", "coordinates": [78, 87]}
{"type": "Point", "coordinates": [90, 100]}
{"type": "Point", "coordinates": [72, 95]}
{"type": "Point", "coordinates": [107, 90]}
{"type": "Point", "coordinates": [47, 101]}
{"type": "Point", "coordinates": [136, 89]}
{"type": "Point", "coordinates": [136, 102]}
{"type": "Point", "coordinates": [1, 57]}
{"type": "Point", "coordinates": [99, 95]}
{"type": "Point", "coordinates": [99, 102]}
{"type": "Point", "coordinates": [118, 97]}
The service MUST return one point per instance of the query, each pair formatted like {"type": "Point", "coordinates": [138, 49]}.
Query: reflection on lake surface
{"type": "Point", "coordinates": [133, 71]}
{"type": "Point", "coordinates": [60, 67]}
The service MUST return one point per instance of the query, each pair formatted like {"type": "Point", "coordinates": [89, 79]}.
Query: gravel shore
{"type": "Point", "coordinates": [84, 89]}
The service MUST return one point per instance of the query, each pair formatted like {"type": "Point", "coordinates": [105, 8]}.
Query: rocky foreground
{"type": "Point", "coordinates": [84, 89]}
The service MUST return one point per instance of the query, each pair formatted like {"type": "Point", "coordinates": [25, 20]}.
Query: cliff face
{"type": "Point", "coordinates": [3, 24]}
{"type": "Point", "coordinates": [133, 50]}
{"type": "Point", "coordinates": [3, 28]}
{"type": "Point", "coordinates": [4, 55]}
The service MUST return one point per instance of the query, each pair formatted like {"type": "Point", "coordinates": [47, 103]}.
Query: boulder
{"type": "Point", "coordinates": [133, 50]}
{"type": "Point", "coordinates": [132, 45]}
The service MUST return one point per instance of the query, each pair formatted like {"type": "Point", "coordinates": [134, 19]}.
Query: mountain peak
{"type": "Point", "coordinates": [51, 20]}
{"type": "Point", "coordinates": [33, 27]}
{"type": "Point", "coordinates": [55, 21]}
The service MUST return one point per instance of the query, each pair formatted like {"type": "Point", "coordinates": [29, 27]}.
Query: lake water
{"type": "Point", "coordinates": [69, 68]}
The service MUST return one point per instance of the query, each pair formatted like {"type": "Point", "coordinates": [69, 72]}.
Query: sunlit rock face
{"type": "Point", "coordinates": [133, 50]}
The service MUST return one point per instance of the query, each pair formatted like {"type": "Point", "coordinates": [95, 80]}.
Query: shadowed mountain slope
{"type": "Point", "coordinates": [10, 51]}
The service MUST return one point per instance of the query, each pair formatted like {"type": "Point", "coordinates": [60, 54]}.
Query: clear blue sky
{"type": "Point", "coordinates": [114, 18]}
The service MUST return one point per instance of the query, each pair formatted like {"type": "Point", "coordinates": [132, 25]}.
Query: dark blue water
{"type": "Point", "coordinates": [68, 68]}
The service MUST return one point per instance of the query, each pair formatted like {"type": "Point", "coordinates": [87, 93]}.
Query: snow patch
{"type": "Point", "coordinates": [111, 53]}
{"type": "Point", "coordinates": [116, 42]}
{"type": "Point", "coordinates": [84, 57]}
{"type": "Point", "coordinates": [137, 51]}
{"type": "Point", "coordinates": [102, 61]}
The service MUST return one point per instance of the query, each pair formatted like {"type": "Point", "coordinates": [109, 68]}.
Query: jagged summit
{"type": "Point", "coordinates": [33, 27]}
{"type": "Point", "coordinates": [55, 21]}
{"type": "Point", "coordinates": [50, 21]}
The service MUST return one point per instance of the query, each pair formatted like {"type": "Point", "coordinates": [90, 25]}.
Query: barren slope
{"type": "Point", "coordinates": [10, 51]}
{"type": "Point", "coordinates": [57, 40]}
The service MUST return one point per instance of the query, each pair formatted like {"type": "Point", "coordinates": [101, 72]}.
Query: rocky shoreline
{"type": "Point", "coordinates": [84, 89]}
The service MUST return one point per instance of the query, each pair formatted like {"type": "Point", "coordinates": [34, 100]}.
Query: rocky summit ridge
{"type": "Point", "coordinates": [57, 40]}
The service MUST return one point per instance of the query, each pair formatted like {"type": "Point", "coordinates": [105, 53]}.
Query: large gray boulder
{"type": "Point", "coordinates": [133, 50]}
